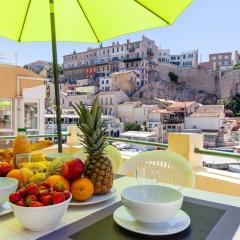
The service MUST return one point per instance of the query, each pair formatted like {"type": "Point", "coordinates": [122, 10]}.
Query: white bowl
{"type": "Point", "coordinates": [40, 218]}
{"type": "Point", "coordinates": [7, 186]}
{"type": "Point", "coordinates": [152, 204]}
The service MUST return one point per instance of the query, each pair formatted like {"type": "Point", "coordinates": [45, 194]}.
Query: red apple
{"type": "Point", "coordinates": [5, 167]}
{"type": "Point", "coordinates": [73, 169]}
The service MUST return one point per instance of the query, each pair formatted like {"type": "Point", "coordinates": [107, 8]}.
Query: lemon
{"type": "Point", "coordinates": [35, 166]}
{"type": "Point", "coordinates": [38, 178]}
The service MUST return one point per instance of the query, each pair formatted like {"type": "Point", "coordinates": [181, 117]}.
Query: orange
{"type": "Point", "coordinates": [82, 189]}
{"type": "Point", "coordinates": [15, 173]}
{"type": "Point", "coordinates": [58, 179]}
{"type": "Point", "coordinates": [22, 175]}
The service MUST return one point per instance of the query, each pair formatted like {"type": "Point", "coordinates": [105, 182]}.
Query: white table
{"type": "Point", "coordinates": [10, 229]}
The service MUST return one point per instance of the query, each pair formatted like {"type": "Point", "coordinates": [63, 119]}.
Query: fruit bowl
{"type": "Point", "coordinates": [40, 218]}
{"type": "Point", "coordinates": [7, 185]}
{"type": "Point", "coordinates": [152, 204]}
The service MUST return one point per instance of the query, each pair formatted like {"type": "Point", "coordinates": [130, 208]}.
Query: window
{"type": "Point", "coordinates": [5, 114]}
{"type": "Point", "coordinates": [113, 50]}
{"type": "Point", "coordinates": [31, 116]}
{"type": "Point", "coordinates": [101, 101]}
{"type": "Point", "coordinates": [102, 81]}
{"type": "Point", "coordinates": [107, 81]}
{"type": "Point", "coordinates": [110, 100]}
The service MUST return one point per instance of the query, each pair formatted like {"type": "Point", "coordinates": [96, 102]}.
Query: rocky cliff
{"type": "Point", "coordinates": [193, 84]}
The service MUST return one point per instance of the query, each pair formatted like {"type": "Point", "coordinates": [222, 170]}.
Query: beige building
{"type": "Point", "coordinates": [127, 81]}
{"type": "Point", "coordinates": [134, 112]}
{"type": "Point", "coordinates": [22, 100]}
{"type": "Point", "coordinates": [110, 100]}
{"type": "Point", "coordinates": [70, 97]}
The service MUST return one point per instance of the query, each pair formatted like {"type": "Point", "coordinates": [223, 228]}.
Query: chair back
{"type": "Point", "coordinates": [165, 166]}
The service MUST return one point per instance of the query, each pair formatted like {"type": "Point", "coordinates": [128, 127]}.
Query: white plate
{"type": "Point", "coordinates": [5, 209]}
{"type": "Point", "coordinates": [95, 199]}
{"type": "Point", "coordinates": [177, 224]}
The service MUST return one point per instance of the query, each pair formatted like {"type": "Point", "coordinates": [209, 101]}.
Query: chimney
{"type": "Point", "coordinates": [128, 41]}
{"type": "Point", "coordinates": [113, 44]}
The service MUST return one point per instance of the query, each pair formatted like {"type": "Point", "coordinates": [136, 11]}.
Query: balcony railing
{"type": "Point", "coordinates": [144, 143]}
{"type": "Point", "coordinates": [34, 136]}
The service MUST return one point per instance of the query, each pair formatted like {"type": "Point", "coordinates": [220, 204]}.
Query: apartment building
{"type": "Point", "coordinates": [101, 61]}
{"type": "Point", "coordinates": [164, 56]}
{"type": "Point", "coordinates": [209, 119]}
{"type": "Point", "coordinates": [110, 100]}
{"type": "Point", "coordinates": [22, 100]}
{"type": "Point", "coordinates": [219, 61]}
{"type": "Point", "coordinates": [71, 97]}
{"type": "Point", "coordinates": [127, 81]}
{"type": "Point", "coordinates": [187, 59]}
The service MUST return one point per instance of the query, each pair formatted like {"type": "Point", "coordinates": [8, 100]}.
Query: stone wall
{"type": "Point", "coordinates": [198, 79]}
{"type": "Point", "coordinates": [230, 84]}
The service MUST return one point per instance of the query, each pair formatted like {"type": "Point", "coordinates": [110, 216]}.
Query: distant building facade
{"type": "Point", "coordinates": [186, 59]}
{"type": "Point", "coordinates": [99, 62]}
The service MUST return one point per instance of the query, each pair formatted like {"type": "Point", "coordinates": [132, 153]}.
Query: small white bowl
{"type": "Point", "coordinates": [40, 218]}
{"type": "Point", "coordinates": [7, 186]}
{"type": "Point", "coordinates": [152, 204]}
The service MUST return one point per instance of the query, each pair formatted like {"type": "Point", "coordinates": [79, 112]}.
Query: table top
{"type": "Point", "coordinates": [10, 228]}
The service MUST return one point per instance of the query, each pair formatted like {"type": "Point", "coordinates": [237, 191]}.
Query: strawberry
{"type": "Point", "coordinates": [14, 197]}
{"type": "Point", "coordinates": [32, 188]}
{"type": "Point", "coordinates": [46, 200]}
{"type": "Point", "coordinates": [22, 192]}
{"type": "Point", "coordinates": [29, 199]}
{"type": "Point", "coordinates": [58, 197]}
{"type": "Point", "coordinates": [45, 184]}
{"type": "Point", "coordinates": [43, 192]}
{"type": "Point", "coordinates": [35, 204]}
{"type": "Point", "coordinates": [58, 187]}
{"type": "Point", "coordinates": [42, 188]}
{"type": "Point", "coordinates": [20, 203]}
{"type": "Point", "coordinates": [67, 194]}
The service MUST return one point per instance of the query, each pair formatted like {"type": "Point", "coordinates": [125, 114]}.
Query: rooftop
{"type": "Point", "coordinates": [204, 114]}
{"type": "Point", "coordinates": [210, 108]}
{"type": "Point", "coordinates": [179, 105]}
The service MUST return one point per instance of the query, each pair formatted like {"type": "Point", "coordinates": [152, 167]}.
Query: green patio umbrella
{"type": "Point", "coordinates": [82, 21]}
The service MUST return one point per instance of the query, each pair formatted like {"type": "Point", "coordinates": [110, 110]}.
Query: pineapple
{"type": "Point", "coordinates": [98, 167]}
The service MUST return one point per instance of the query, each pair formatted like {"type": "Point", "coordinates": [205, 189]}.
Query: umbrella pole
{"type": "Point", "coordinates": [55, 73]}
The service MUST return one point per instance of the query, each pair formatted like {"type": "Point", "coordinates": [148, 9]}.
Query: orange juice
{"type": "Point", "coordinates": [21, 149]}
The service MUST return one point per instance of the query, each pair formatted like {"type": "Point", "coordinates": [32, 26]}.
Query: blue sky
{"type": "Point", "coordinates": [207, 25]}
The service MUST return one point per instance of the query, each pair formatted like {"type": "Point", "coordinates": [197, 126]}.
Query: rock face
{"type": "Point", "coordinates": [230, 84]}
{"type": "Point", "coordinates": [174, 91]}
{"type": "Point", "coordinates": [193, 84]}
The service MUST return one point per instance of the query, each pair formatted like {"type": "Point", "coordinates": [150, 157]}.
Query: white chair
{"type": "Point", "coordinates": [165, 166]}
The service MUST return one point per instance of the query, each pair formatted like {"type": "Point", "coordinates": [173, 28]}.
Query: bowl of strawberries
{"type": "Point", "coordinates": [40, 207]}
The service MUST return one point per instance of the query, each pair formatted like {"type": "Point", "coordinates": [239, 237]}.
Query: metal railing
{"type": "Point", "coordinates": [34, 136]}
{"type": "Point", "coordinates": [125, 140]}
{"type": "Point", "coordinates": [217, 153]}
{"type": "Point", "coordinates": [145, 143]}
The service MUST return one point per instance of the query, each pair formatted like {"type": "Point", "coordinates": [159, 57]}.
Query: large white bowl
{"type": "Point", "coordinates": [7, 186]}
{"type": "Point", "coordinates": [40, 218]}
{"type": "Point", "coordinates": [152, 204]}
